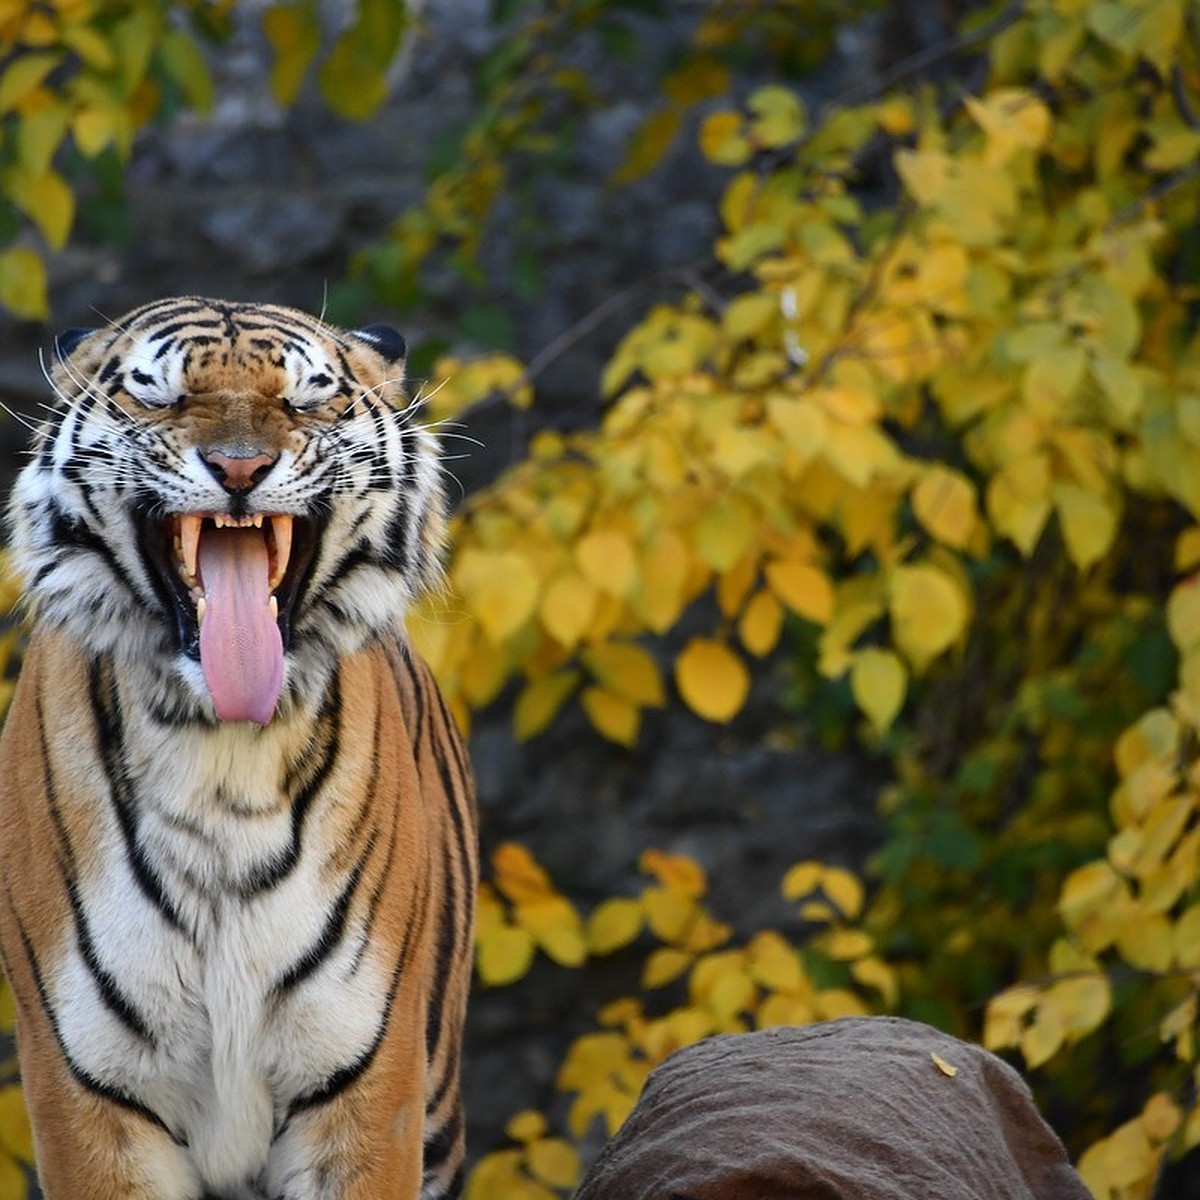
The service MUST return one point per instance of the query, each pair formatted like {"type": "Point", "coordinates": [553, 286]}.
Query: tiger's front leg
{"type": "Point", "coordinates": [367, 1143]}
{"type": "Point", "coordinates": [89, 1148]}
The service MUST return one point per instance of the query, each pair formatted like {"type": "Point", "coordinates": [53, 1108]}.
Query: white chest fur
{"type": "Point", "coordinates": [210, 902]}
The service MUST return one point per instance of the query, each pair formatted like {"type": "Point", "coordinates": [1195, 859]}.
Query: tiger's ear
{"type": "Point", "coordinates": [385, 340]}
{"type": "Point", "coordinates": [66, 341]}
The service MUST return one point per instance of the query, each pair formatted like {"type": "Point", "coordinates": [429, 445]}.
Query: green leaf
{"type": "Point", "coordinates": [134, 39]}
{"type": "Point", "coordinates": [295, 36]}
{"type": "Point", "coordinates": [649, 145]}
{"type": "Point", "coordinates": [185, 64]}
{"type": "Point", "coordinates": [39, 135]}
{"type": "Point", "coordinates": [353, 78]}
{"type": "Point", "coordinates": [22, 75]}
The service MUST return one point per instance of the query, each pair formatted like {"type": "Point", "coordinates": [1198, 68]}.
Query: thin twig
{"type": "Point", "coordinates": [570, 337]}
{"type": "Point", "coordinates": [921, 60]}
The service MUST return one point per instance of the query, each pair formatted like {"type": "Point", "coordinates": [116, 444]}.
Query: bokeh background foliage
{"type": "Point", "coordinates": [923, 434]}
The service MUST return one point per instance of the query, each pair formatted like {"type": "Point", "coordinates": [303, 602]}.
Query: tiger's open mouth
{"type": "Point", "coordinates": [232, 584]}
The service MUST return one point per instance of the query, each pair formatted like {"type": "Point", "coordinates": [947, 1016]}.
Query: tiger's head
{"type": "Point", "coordinates": [227, 497]}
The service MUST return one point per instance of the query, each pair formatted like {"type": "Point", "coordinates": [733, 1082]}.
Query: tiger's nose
{"type": "Point", "coordinates": [237, 472]}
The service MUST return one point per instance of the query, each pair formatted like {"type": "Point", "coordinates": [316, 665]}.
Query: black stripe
{"type": "Point", "coordinates": [343, 1078]}
{"type": "Point", "coordinates": [110, 742]}
{"type": "Point", "coordinates": [442, 1142]}
{"type": "Point", "coordinates": [373, 900]}
{"type": "Point", "coordinates": [106, 984]}
{"type": "Point", "coordinates": [273, 873]}
{"type": "Point", "coordinates": [330, 936]}
{"type": "Point", "coordinates": [67, 531]}
{"type": "Point", "coordinates": [83, 1078]}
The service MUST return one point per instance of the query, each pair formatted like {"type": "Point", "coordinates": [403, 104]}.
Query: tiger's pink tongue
{"type": "Point", "coordinates": [241, 650]}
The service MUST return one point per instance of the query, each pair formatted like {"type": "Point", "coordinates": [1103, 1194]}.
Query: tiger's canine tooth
{"type": "Point", "coordinates": [281, 529]}
{"type": "Point", "coordinates": [189, 539]}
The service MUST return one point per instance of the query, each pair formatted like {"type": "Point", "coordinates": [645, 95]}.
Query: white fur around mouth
{"type": "Point", "coordinates": [185, 538]}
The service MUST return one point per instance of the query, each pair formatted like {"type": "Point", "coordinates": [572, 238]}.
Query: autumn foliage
{"type": "Point", "coordinates": [927, 436]}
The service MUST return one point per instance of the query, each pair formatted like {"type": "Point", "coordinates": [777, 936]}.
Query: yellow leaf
{"type": "Point", "coordinates": [1187, 549]}
{"type": "Point", "coordinates": [724, 532]}
{"type": "Point", "coordinates": [778, 116]}
{"type": "Point", "coordinates": [1161, 1117]}
{"type": "Point", "coordinates": [1005, 1016]}
{"type": "Point", "coordinates": [924, 174]}
{"type": "Point", "coordinates": [1086, 889]}
{"type": "Point", "coordinates": [803, 424]}
{"type": "Point", "coordinates": [613, 716]}
{"type": "Point", "coordinates": [649, 144]}
{"type": "Point", "coordinates": [606, 559]}
{"type": "Point", "coordinates": [24, 73]}
{"type": "Point", "coordinates": [804, 588]}
{"type": "Point", "coordinates": [501, 589]}
{"type": "Point", "coordinates": [23, 283]}
{"type": "Point", "coordinates": [16, 1135]}
{"type": "Point", "coordinates": [13, 1182]}
{"type": "Point", "coordinates": [1015, 512]}
{"type": "Point", "coordinates": [1183, 613]}
{"type": "Point", "coordinates": [676, 872]}
{"type": "Point", "coordinates": [802, 879]}
{"type": "Point", "coordinates": [539, 702]}
{"type": "Point", "coordinates": [627, 670]}
{"type": "Point", "coordinates": [773, 963]}
{"type": "Point", "coordinates": [944, 502]}
{"type": "Point", "coordinates": [928, 611]}
{"type": "Point", "coordinates": [734, 992]}
{"type": "Point", "coordinates": [503, 955]}
{"type": "Point", "coordinates": [556, 928]}
{"type": "Point", "coordinates": [295, 36]}
{"type": "Point", "coordinates": [722, 140]}
{"type": "Point", "coordinates": [554, 1162]}
{"type": "Point", "coordinates": [1082, 1002]}
{"type": "Point", "coordinates": [47, 200]}
{"type": "Point", "coordinates": [847, 943]}
{"type": "Point", "coordinates": [712, 680]}
{"type": "Point", "coordinates": [1145, 941]}
{"type": "Point", "coordinates": [94, 127]}
{"type": "Point", "coordinates": [749, 314]}
{"type": "Point", "coordinates": [943, 1066]}
{"type": "Point", "coordinates": [878, 975]}
{"type": "Point", "coordinates": [877, 682]}
{"type": "Point", "coordinates": [1042, 1039]}
{"type": "Point", "coordinates": [733, 586]}
{"type": "Point", "coordinates": [761, 624]}
{"type": "Point", "coordinates": [1013, 119]}
{"type": "Point", "coordinates": [1088, 523]}
{"type": "Point", "coordinates": [39, 136]}
{"type": "Point", "coordinates": [659, 595]}
{"type": "Point", "coordinates": [664, 966]}
{"type": "Point", "coordinates": [784, 1009]}
{"type": "Point", "coordinates": [1186, 938]}
{"type": "Point", "coordinates": [832, 1003]}
{"type": "Point", "coordinates": [613, 925]}
{"type": "Point", "coordinates": [844, 889]}
{"type": "Point", "coordinates": [525, 1126]}
{"type": "Point", "coordinates": [1123, 1159]}
{"type": "Point", "coordinates": [518, 874]}
{"type": "Point", "coordinates": [668, 913]}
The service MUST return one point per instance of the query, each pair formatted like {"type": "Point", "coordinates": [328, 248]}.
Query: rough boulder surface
{"type": "Point", "coordinates": [873, 1108]}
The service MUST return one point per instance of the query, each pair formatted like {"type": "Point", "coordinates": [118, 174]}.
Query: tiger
{"type": "Point", "coordinates": [238, 844]}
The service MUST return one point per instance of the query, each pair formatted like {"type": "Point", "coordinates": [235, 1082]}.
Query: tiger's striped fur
{"type": "Point", "coordinates": [240, 947]}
